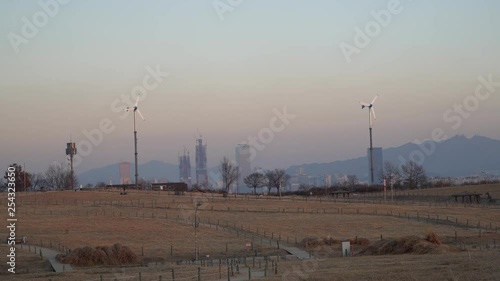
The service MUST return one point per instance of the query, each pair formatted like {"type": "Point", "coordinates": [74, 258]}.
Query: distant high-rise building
{"type": "Point", "coordinates": [244, 163]}
{"type": "Point", "coordinates": [185, 168]}
{"type": "Point", "coordinates": [378, 166]}
{"type": "Point", "coordinates": [124, 172]}
{"type": "Point", "coordinates": [201, 162]}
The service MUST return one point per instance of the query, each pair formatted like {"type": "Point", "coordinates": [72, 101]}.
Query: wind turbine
{"type": "Point", "coordinates": [136, 110]}
{"type": "Point", "coordinates": [371, 112]}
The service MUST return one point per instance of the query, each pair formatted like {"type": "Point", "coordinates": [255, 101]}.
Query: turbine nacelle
{"type": "Point", "coordinates": [135, 109]}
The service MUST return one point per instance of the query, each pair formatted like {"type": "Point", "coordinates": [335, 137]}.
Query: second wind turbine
{"type": "Point", "coordinates": [135, 109]}
{"type": "Point", "coordinates": [371, 112]}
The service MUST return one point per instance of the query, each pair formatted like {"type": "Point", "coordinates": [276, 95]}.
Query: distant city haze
{"type": "Point", "coordinates": [225, 79]}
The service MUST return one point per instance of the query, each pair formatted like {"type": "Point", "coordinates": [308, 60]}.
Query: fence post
{"type": "Point", "coordinates": [199, 273]}
{"type": "Point", "coordinates": [173, 274]}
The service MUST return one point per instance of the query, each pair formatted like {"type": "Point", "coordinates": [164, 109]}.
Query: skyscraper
{"type": "Point", "coordinates": [185, 168]}
{"type": "Point", "coordinates": [244, 163]}
{"type": "Point", "coordinates": [201, 162]}
{"type": "Point", "coordinates": [124, 172]}
{"type": "Point", "coordinates": [378, 166]}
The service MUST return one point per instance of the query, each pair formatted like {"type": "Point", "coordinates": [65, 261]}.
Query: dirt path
{"type": "Point", "coordinates": [50, 255]}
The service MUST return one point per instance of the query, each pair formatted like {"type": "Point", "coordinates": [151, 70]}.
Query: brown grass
{"type": "Point", "coordinates": [79, 219]}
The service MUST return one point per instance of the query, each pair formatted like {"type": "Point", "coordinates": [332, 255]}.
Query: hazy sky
{"type": "Point", "coordinates": [230, 70]}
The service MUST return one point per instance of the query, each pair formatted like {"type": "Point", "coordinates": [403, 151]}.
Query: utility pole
{"type": "Point", "coordinates": [196, 231]}
{"type": "Point", "coordinates": [24, 177]}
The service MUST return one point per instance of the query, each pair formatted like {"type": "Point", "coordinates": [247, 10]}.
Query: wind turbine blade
{"type": "Point", "coordinates": [374, 99]}
{"type": "Point", "coordinates": [137, 101]}
{"type": "Point", "coordinates": [140, 114]}
{"type": "Point", "coordinates": [373, 113]}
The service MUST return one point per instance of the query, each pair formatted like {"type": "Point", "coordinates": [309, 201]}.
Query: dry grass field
{"type": "Point", "coordinates": [158, 227]}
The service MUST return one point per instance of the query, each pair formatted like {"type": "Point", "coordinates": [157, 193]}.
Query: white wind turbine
{"type": "Point", "coordinates": [135, 109]}
{"type": "Point", "coordinates": [371, 112]}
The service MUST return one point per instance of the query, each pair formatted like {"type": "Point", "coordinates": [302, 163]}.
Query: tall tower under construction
{"type": "Point", "coordinates": [185, 168]}
{"type": "Point", "coordinates": [201, 162]}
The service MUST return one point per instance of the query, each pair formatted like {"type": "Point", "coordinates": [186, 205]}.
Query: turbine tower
{"type": "Point", "coordinates": [371, 112]}
{"type": "Point", "coordinates": [71, 151]}
{"type": "Point", "coordinates": [136, 110]}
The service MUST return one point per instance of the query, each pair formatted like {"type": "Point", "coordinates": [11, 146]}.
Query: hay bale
{"type": "Point", "coordinates": [406, 245]}
{"type": "Point", "coordinates": [101, 255]}
{"type": "Point", "coordinates": [124, 254]}
{"type": "Point", "coordinates": [433, 238]}
{"type": "Point", "coordinates": [311, 242]}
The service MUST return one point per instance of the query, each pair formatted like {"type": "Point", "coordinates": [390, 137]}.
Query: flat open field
{"type": "Point", "coordinates": [159, 229]}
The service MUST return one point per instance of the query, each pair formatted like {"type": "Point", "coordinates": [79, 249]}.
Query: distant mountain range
{"type": "Point", "coordinates": [150, 170]}
{"type": "Point", "coordinates": [455, 157]}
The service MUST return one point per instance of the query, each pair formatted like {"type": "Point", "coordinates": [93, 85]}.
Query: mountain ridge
{"type": "Point", "coordinates": [454, 157]}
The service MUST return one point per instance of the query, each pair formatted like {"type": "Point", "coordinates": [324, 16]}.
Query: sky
{"type": "Point", "coordinates": [231, 70]}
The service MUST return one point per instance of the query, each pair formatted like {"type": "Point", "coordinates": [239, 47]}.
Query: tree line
{"type": "Point", "coordinates": [55, 177]}
{"type": "Point", "coordinates": [277, 178]}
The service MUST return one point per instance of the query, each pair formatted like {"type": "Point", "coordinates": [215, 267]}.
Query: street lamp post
{"type": "Point", "coordinates": [196, 231]}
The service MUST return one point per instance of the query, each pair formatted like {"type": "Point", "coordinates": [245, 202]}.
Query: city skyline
{"type": "Point", "coordinates": [234, 78]}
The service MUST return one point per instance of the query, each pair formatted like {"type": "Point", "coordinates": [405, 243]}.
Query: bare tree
{"type": "Point", "coordinates": [391, 174]}
{"type": "Point", "coordinates": [277, 178]}
{"type": "Point", "coordinates": [37, 181]}
{"type": "Point", "coordinates": [144, 184]}
{"type": "Point", "coordinates": [413, 175]}
{"type": "Point", "coordinates": [255, 180]}
{"type": "Point", "coordinates": [229, 173]}
{"type": "Point", "coordinates": [352, 181]}
{"type": "Point", "coordinates": [57, 177]}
